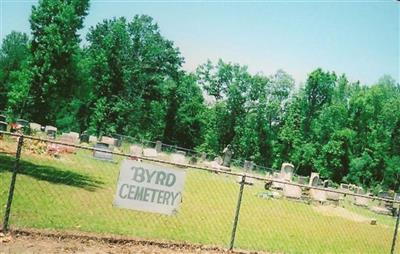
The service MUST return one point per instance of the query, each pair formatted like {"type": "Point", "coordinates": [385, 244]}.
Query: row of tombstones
{"type": "Point", "coordinates": [26, 127]}
{"type": "Point", "coordinates": [329, 194]}
{"type": "Point", "coordinates": [105, 143]}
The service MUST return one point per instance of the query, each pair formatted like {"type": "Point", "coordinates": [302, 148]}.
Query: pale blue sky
{"type": "Point", "coordinates": [358, 38]}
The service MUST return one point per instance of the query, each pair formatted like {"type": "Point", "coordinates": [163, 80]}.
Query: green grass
{"type": "Point", "coordinates": [75, 192]}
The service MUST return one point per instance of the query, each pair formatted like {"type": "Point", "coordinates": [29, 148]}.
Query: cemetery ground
{"type": "Point", "coordinates": [75, 193]}
{"type": "Point", "coordinates": [42, 242]}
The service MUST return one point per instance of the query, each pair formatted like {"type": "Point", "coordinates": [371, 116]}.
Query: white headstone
{"type": "Point", "coordinates": [292, 191]}
{"type": "Point", "coordinates": [361, 201]}
{"type": "Point", "coordinates": [380, 210]}
{"type": "Point", "coordinates": [318, 195]}
{"type": "Point", "coordinates": [35, 127]}
{"type": "Point", "coordinates": [108, 140]}
{"type": "Point", "coordinates": [334, 196]}
{"type": "Point", "coordinates": [75, 135]}
{"type": "Point", "coordinates": [92, 139]}
{"type": "Point", "coordinates": [314, 179]}
{"type": "Point", "coordinates": [178, 158]}
{"type": "Point", "coordinates": [50, 128]}
{"type": "Point", "coordinates": [150, 152]}
{"type": "Point", "coordinates": [287, 171]}
{"type": "Point", "coordinates": [136, 150]}
{"type": "Point", "coordinates": [51, 131]}
{"type": "Point", "coordinates": [277, 185]}
{"type": "Point", "coordinates": [66, 138]}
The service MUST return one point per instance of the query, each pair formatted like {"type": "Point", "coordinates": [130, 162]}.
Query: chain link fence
{"type": "Point", "coordinates": [71, 187]}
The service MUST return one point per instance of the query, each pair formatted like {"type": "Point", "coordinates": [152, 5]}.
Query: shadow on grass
{"type": "Point", "coordinates": [49, 173]}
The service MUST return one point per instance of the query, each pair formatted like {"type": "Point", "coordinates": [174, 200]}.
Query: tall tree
{"type": "Point", "coordinates": [13, 54]}
{"type": "Point", "coordinates": [55, 41]}
{"type": "Point", "coordinates": [134, 70]}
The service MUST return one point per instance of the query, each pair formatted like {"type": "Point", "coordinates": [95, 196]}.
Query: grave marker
{"type": "Point", "coordinates": [35, 127]}
{"type": "Point", "coordinates": [314, 179]}
{"type": "Point", "coordinates": [150, 152]}
{"type": "Point", "coordinates": [102, 155]}
{"type": "Point", "coordinates": [292, 191]}
{"type": "Point", "coordinates": [318, 195]}
{"type": "Point", "coordinates": [135, 150]}
{"type": "Point", "coordinates": [248, 166]}
{"type": "Point", "coordinates": [84, 138]}
{"type": "Point", "coordinates": [227, 156]}
{"type": "Point", "coordinates": [75, 136]}
{"type": "Point", "coordinates": [158, 146]}
{"type": "Point", "coordinates": [92, 139]}
{"type": "Point", "coordinates": [178, 158]}
{"type": "Point", "coordinates": [51, 131]}
{"type": "Point", "coordinates": [108, 140]}
{"type": "Point", "coordinates": [286, 171]}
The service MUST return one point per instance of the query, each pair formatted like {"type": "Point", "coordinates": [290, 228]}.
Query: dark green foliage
{"type": "Point", "coordinates": [13, 55]}
{"type": "Point", "coordinates": [54, 25]}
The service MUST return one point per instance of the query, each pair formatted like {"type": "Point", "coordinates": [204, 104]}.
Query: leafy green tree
{"type": "Point", "coordinates": [187, 107]}
{"type": "Point", "coordinates": [318, 92]}
{"type": "Point", "coordinates": [14, 53]}
{"type": "Point", "coordinates": [134, 70]}
{"type": "Point", "coordinates": [55, 41]}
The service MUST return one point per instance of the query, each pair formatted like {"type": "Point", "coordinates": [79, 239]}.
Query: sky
{"type": "Point", "coordinates": [358, 38]}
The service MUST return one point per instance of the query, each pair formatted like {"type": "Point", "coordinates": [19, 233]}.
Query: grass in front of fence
{"type": "Point", "coordinates": [75, 192]}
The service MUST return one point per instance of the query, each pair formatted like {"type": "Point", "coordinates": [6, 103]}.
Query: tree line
{"type": "Point", "coordinates": [128, 79]}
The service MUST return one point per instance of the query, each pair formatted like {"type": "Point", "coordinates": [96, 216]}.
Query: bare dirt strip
{"type": "Point", "coordinates": [40, 241]}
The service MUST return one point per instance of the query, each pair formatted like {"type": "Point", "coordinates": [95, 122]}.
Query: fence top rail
{"type": "Point", "coordinates": [214, 170]}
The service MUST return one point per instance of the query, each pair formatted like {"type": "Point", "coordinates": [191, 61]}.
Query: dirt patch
{"type": "Point", "coordinates": [341, 212]}
{"type": "Point", "coordinates": [38, 241]}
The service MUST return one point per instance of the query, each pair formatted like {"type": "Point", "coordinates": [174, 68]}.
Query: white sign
{"type": "Point", "coordinates": [150, 188]}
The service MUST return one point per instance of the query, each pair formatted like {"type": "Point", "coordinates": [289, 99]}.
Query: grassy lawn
{"type": "Point", "coordinates": [75, 192]}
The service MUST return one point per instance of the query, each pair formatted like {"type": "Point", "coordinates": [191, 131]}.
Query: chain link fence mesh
{"type": "Point", "coordinates": [65, 187]}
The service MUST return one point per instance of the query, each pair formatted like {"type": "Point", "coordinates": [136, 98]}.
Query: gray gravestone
{"type": "Point", "coordinates": [158, 146]}
{"type": "Point", "coordinates": [84, 138]}
{"type": "Point", "coordinates": [302, 179]}
{"type": "Point", "coordinates": [51, 131]}
{"type": "Point", "coordinates": [227, 156]}
{"type": "Point", "coordinates": [98, 154]}
{"type": "Point", "coordinates": [248, 166]}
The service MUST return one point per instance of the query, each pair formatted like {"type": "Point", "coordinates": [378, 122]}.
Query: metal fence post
{"type": "Point", "coordinates": [395, 230]}
{"type": "Point", "coordinates": [236, 219]}
{"type": "Point", "coordinates": [12, 185]}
